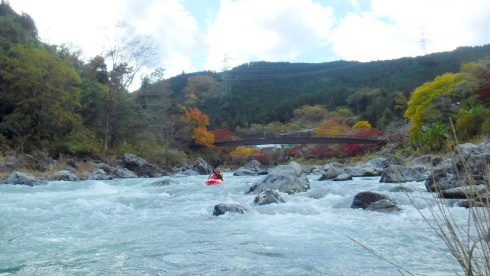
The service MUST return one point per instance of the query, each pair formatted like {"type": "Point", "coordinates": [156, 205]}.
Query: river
{"type": "Point", "coordinates": [130, 227]}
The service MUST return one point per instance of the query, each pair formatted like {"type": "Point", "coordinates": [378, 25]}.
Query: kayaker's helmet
{"type": "Point", "coordinates": [217, 170]}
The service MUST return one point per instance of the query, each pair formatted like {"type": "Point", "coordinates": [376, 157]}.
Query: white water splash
{"type": "Point", "coordinates": [129, 227]}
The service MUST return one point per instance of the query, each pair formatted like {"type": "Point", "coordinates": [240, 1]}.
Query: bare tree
{"type": "Point", "coordinates": [128, 55]}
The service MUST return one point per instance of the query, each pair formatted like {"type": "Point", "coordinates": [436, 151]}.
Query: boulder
{"type": "Point", "coordinates": [362, 171]}
{"type": "Point", "coordinates": [41, 162]}
{"type": "Point", "coordinates": [400, 174]}
{"type": "Point", "coordinates": [285, 178]}
{"type": "Point", "coordinates": [252, 168]}
{"type": "Point", "coordinates": [428, 161]}
{"type": "Point", "coordinates": [343, 177]}
{"type": "Point", "coordinates": [268, 197]}
{"type": "Point", "coordinates": [7, 167]}
{"type": "Point", "coordinates": [163, 182]}
{"type": "Point", "coordinates": [466, 192]}
{"type": "Point", "coordinates": [331, 172]}
{"type": "Point", "coordinates": [466, 167]}
{"type": "Point", "coordinates": [382, 162]}
{"type": "Point", "coordinates": [365, 200]}
{"type": "Point", "coordinates": [99, 174]}
{"type": "Point", "coordinates": [245, 172]}
{"type": "Point", "coordinates": [20, 178]}
{"type": "Point", "coordinates": [116, 172]}
{"type": "Point", "coordinates": [223, 208]}
{"type": "Point", "coordinates": [72, 163]}
{"type": "Point", "coordinates": [139, 166]}
{"type": "Point", "coordinates": [64, 175]}
{"type": "Point", "coordinates": [383, 205]}
{"type": "Point", "coordinates": [202, 167]}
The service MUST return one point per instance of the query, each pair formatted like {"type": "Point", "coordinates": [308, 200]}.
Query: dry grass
{"type": "Point", "coordinates": [61, 164]}
{"type": "Point", "coordinates": [468, 240]}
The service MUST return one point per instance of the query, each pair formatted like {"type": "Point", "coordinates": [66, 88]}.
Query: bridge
{"type": "Point", "coordinates": [304, 138]}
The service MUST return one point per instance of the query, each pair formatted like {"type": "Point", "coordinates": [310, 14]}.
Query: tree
{"type": "Point", "coordinates": [362, 125]}
{"type": "Point", "coordinates": [198, 123]}
{"type": "Point", "coordinates": [45, 90]}
{"type": "Point", "coordinates": [332, 127]}
{"type": "Point", "coordinates": [200, 87]}
{"type": "Point", "coordinates": [362, 98]}
{"type": "Point", "coordinates": [419, 111]}
{"type": "Point", "coordinates": [128, 55]}
{"type": "Point", "coordinates": [310, 115]}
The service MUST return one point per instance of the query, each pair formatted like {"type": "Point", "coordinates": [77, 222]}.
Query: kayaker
{"type": "Point", "coordinates": [217, 174]}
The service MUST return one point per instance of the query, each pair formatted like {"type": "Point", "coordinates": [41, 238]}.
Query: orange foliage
{"type": "Point", "coordinates": [332, 127]}
{"type": "Point", "coordinates": [203, 137]}
{"type": "Point", "coordinates": [196, 118]}
{"type": "Point", "coordinates": [198, 122]}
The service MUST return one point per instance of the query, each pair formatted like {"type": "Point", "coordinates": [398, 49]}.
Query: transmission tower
{"type": "Point", "coordinates": [423, 40]}
{"type": "Point", "coordinates": [225, 77]}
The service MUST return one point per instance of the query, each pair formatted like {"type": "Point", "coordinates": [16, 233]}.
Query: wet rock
{"type": "Point", "coordinates": [223, 208]}
{"type": "Point", "coordinates": [64, 175]}
{"type": "Point", "coordinates": [163, 182]}
{"type": "Point", "coordinates": [20, 178]}
{"type": "Point", "coordinates": [466, 167]}
{"type": "Point", "coordinates": [331, 172]}
{"type": "Point", "coordinates": [285, 178]}
{"type": "Point", "coordinates": [374, 202]}
{"type": "Point", "coordinates": [202, 167]}
{"type": "Point", "coordinates": [383, 205]}
{"type": "Point", "coordinates": [400, 174]}
{"type": "Point", "coordinates": [268, 197]}
{"type": "Point", "coordinates": [252, 168]}
{"type": "Point", "coordinates": [139, 166]}
{"type": "Point", "coordinates": [466, 192]}
{"type": "Point", "coordinates": [99, 174]}
{"type": "Point", "coordinates": [343, 177]}
{"type": "Point", "coordinates": [116, 172]}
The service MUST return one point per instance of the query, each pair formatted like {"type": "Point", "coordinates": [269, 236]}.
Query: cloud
{"type": "Point", "coordinates": [76, 23]}
{"type": "Point", "coordinates": [173, 28]}
{"type": "Point", "coordinates": [274, 30]}
{"type": "Point", "coordinates": [393, 29]}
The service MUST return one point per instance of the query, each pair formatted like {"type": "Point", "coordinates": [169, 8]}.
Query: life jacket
{"type": "Point", "coordinates": [215, 176]}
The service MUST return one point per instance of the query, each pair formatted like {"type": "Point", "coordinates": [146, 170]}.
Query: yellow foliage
{"type": "Point", "coordinates": [332, 127]}
{"type": "Point", "coordinates": [423, 96]}
{"type": "Point", "coordinates": [362, 125]}
{"type": "Point", "coordinates": [242, 152]}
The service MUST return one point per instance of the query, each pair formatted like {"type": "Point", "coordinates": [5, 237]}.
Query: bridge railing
{"type": "Point", "coordinates": [310, 134]}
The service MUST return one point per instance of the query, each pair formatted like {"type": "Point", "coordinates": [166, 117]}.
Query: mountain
{"type": "Point", "coordinates": [264, 92]}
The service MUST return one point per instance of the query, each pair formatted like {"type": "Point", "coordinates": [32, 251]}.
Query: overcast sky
{"type": "Point", "coordinates": [196, 35]}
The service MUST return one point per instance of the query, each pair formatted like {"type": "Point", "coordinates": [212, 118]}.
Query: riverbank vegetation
{"type": "Point", "coordinates": [54, 102]}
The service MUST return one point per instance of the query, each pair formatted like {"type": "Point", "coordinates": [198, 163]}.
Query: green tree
{"type": "Point", "coordinates": [45, 90]}
{"type": "Point", "coordinates": [420, 111]}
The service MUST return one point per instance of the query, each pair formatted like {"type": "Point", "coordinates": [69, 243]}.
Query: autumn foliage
{"type": "Point", "coordinates": [222, 135]}
{"type": "Point", "coordinates": [332, 127]}
{"type": "Point", "coordinates": [199, 121]}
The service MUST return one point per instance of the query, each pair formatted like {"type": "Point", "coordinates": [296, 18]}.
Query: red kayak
{"type": "Point", "coordinates": [213, 181]}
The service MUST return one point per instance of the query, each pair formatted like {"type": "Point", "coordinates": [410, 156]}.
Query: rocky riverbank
{"type": "Point", "coordinates": [462, 175]}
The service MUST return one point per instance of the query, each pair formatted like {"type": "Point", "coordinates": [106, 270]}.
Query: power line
{"type": "Point", "coordinates": [287, 75]}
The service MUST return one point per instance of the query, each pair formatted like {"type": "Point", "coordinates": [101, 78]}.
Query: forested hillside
{"type": "Point", "coordinates": [264, 92]}
{"type": "Point", "coordinates": [53, 101]}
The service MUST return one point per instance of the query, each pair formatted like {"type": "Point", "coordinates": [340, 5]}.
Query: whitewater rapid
{"type": "Point", "coordinates": [131, 227]}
